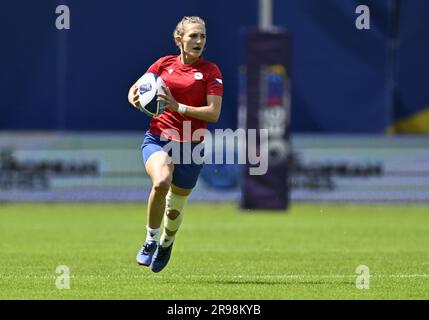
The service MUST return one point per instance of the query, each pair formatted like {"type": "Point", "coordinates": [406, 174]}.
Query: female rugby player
{"type": "Point", "coordinates": [193, 96]}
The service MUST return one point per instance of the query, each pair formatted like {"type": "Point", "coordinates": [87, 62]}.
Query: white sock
{"type": "Point", "coordinates": [152, 234]}
{"type": "Point", "coordinates": [166, 240]}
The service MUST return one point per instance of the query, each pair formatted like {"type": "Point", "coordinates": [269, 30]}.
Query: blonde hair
{"type": "Point", "coordinates": [180, 28]}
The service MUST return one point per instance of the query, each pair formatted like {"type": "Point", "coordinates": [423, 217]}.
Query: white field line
{"type": "Point", "coordinates": [196, 277]}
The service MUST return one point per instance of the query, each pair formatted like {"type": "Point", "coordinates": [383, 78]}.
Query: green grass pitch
{"type": "Point", "coordinates": [310, 252]}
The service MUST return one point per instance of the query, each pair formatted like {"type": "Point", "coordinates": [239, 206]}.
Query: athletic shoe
{"type": "Point", "coordinates": [144, 256]}
{"type": "Point", "coordinates": [161, 257]}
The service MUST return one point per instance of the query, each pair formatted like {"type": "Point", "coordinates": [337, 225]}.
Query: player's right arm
{"type": "Point", "coordinates": [133, 96]}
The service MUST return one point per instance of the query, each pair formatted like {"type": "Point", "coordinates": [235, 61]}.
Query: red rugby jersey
{"type": "Point", "coordinates": [189, 84]}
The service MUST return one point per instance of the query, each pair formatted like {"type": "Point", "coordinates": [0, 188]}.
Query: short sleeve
{"type": "Point", "coordinates": [156, 67]}
{"type": "Point", "coordinates": [215, 82]}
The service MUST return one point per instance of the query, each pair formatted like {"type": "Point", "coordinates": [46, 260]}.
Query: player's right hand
{"type": "Point", "coordinates": [133, 96]}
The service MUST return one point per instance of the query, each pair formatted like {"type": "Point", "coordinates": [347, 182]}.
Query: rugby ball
{"type": "Point", "coordinates": [148, 87]}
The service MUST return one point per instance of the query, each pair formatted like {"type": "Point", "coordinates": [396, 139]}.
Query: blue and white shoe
{"type": "Point", "coordinates": [144, 256]}
{"type": "Point", "coordinates": [161, 257]}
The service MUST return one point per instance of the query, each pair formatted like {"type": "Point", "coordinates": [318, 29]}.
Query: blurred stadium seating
{"type": "Point", "coordinates": [67, 132]}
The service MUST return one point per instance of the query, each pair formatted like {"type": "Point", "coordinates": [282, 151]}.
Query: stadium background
{"type": "Point", "coordinates": [70, 87]}
{"type": "Point", "coordinates": [77, 75]}
{"type": "Point", "coordinates": [359, 125]}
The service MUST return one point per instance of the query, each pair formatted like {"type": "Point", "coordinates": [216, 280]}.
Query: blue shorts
{"type": "Point", "coordinates": [186, 170]}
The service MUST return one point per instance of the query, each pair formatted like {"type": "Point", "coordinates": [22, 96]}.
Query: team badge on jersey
{"type": "Point", "coordinates": [198, 76]}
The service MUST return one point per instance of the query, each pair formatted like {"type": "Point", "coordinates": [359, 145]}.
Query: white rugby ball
{"type": "Point", "coordinates": [148, 87]}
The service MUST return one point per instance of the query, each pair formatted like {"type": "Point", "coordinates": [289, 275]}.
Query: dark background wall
{"type": "Point", "coordinates": [344, 80]}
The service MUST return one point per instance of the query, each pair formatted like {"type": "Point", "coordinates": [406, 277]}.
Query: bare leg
{"type": "Point", "coordinates": [160, 170]}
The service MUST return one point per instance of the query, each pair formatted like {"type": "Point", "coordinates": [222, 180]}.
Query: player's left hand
{"type": "Point", "coordinates": [168, 99]}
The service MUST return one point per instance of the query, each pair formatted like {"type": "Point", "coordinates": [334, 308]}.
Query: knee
{"type": "Point", "coordinates": [162, 186]}
{"type": "Point", "coordinates": [174, 205]}
{"type": "Point", "coordinates": [172, 214]}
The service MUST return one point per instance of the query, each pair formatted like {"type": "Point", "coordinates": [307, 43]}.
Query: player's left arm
{"type": "Point", "coordinates": [209, 113]}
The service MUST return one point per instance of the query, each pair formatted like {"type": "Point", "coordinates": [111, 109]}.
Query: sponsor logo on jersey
{"type": "Point", "coordinates": [170, 71]}
{"type": "Point", "coordinates": [198, 76]}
